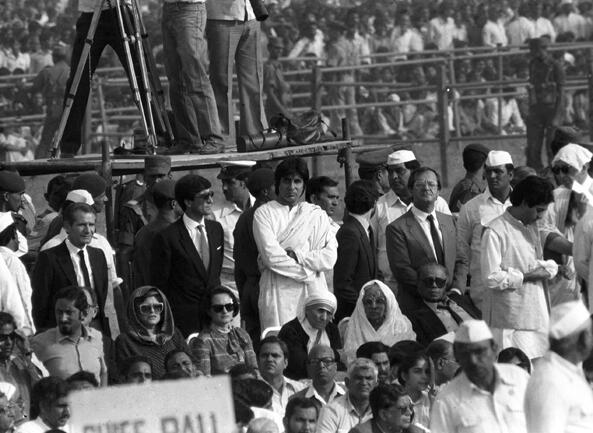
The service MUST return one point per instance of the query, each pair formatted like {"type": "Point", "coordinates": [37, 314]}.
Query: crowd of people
{"type": "Point", "coordinates": [407, 313]}
{"type": "Point", "coordinates": [304, 33]}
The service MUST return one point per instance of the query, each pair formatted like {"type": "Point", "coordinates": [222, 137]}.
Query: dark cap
{"type": "Point", "coordinates": [157, 164]}
{"type": "Point", "coordinates": [233, 169]}
{"type": "Point", "coordinates": [374, 159]}
{"type": "Point", "coordinates": [275, 42]}
{"type": "Point", "coordinates": [260, 179]}
{"type": "Point", "coordinates": [11, 181]}
{"type": "Point", "coordinates": [91, 182]}
{"type": "Point", "coordinates": [59, 52]}
{"type": "Point", "coordinates": [476, 147]}
{"type": "Point", "coordinates": [165, 188]}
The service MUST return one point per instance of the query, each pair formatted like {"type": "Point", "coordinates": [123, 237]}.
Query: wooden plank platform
{"type": "Point", "coordinates": [135, 163]}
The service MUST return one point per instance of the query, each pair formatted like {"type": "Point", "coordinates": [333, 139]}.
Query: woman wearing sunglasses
{"type": "Point", "coordinates": [220, 345]}
{"type": "Point", "coordinates": [151, 330]}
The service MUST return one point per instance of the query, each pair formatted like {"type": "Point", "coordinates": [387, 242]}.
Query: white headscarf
{"type": "Point", "coordinates": [574, 155]}
{"type": "Point", "coordinates": [323, 298]}
{"type": "Point", "coordinates": [395, 327]}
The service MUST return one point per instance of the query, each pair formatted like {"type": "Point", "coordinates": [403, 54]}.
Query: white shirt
{"type": "Point", "coordinates": [409, 41]}
{"type": "Point", "coordinates": [10, 299]}
{"type": "Point", "coordinates": [575, 23]}
{"type": "Point", "coordinates": [337, 391]}
{"type": "Point", "coordinates": [543, 27]}
{"type": "Point", "coordinates": [463, 407]}
{"type": "Point", "coordinates": [280, 398]}
{"type": "Point", "coordinates": [441, 32]}
{"type": "Point", "coordinates": [558, 398]}
{"type": "Point", "coordinates": [21, 277]}
{"type": "Point", "coordinates": [194, 234]}
{"type": "Point", "coordinates": [305, 46]}
{"type": "Point", "coordinates": [520, 30]}
{"type": "Point", "coordinates": [510, 114]}
{"type": "Point", "coordinates": [494, 34]}
{"type": "Point", "coordinates": [78, 265]}
{"type": "Point", "coordinates": [388, 208]}
{"type": "Point", "coordinates": [473, 217]}
{"type": "Point", "coordinates": [340, 416]}
{"type": "Point", "coordinates": [582, 248]}
{"type": "Point", "coordinates": [38, 426]}
{"type": "Point", "coordinates": [422, 219]}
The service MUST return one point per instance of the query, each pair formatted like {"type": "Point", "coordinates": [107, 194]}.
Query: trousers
{"type": "Point", "coordinates": [540, 132]}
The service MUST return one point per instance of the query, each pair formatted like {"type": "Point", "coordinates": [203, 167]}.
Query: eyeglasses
{"type": "Point", "coordinates": [322, 362]}
{"type": "Point", "coordinates": [149, 308]}
{"type": "Point", "coordinates": [406, 408]}
{"type": "Point", "coordinates": [431, 281]}
{"type": "Point", "coordinates": [7, 337]}
{"type": "Point", "coordinates": [564, 169]}
{"type": "Point", "coordinates": [206, 195]}
{"type": "Point", "coordinates": [431, 185]}
{"type": "Point", "coordinates": [219, 308]}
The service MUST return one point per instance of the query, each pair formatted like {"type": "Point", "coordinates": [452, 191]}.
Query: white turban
{"type": "Point", "coordinates": [574, 155]}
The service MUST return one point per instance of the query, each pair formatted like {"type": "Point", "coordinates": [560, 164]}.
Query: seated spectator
{"type": "Point", "coordinates": [400, 351]}
{"type": "Point", "coordinates": [438, 313]}
{"type": "Point", "coordinates": [221, 345]}
{"type": "Point", "coordinates": [383, 400]}
{"type": "Point", "coordinates": [257, 395]}
{"type": "Point", "coordinates": [511, 121]}
{"type": "Point", "coordinates": [353, 407]}
{"type": "Point", "coordinates": [69, 347]}
{"type": "Point", "coordinates": [136, 369]}
{"type": "Point", "coordinates": [82, 380]}
{"type": "Point", "coordinates": [242, 371]}
{"type": "Point", "coordinates": [378, 353]}
{"type": "Point", "coordinates": [262, 425]}
{"type": "Point", "coordinates": [300, 416]}
{"type": "Point", "coordinates": [443, 360]}
{"type": "Point", "coordinates": [49, 407]}
{"type": "Point", "coordinates": [151, 329]}
{"type": "Point", "coordinates": [321, 368]}
{"type": "Point", "coordinates": [414, 374]}
{"type": "Point", "coordinates": [273, 360]}
{"type": "Point", "coordinates": [313, 325]}
{"type": "Point", "coordinates": [376, 317]}
{"type": "Point", "coordinates": [180, 363]}
{"type": "Point", "coordinates": [512, 355]}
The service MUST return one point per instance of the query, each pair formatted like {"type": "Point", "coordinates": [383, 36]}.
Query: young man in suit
{"type": "Point", "coordinates": [421, 235]}
{"type": "Point", "coordinates": [439, 312]}
{"type": "Point", "coordinates": [71, 263]}
{"type": "Point", "coordinates": [187, 256]}
{"type": "Point", "coordinates": [356, 263]}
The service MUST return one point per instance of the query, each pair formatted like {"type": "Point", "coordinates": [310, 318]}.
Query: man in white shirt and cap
{"type": "Point", "coordinates": [558, 397]}
{"type": "Point", "coordinates": [396, 202]}
{"type": "Point", "coordinates": [485, 397]}
{"type": "Point", "coordinates": [475, 215]}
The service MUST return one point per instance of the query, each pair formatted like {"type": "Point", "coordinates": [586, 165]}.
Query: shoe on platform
{"type": "Point", "coordinates": [211, 147]}
{"type": "Point", "coordinates": [182, 149]}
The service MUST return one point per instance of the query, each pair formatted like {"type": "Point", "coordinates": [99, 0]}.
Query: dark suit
{"type": "Point", "coordinates": [356, 265]}
{"type": "Point", "coordinates": [177, 269]}
{"type": "Point", "coordinates": [427, 324]}
{"type": "Point", "coordinates": [54, 270]}
{"type": "Point", "coordinates": [408, 248]}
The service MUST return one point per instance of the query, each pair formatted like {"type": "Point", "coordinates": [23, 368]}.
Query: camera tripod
{"type": "Point", "coordinates": [134, 36]}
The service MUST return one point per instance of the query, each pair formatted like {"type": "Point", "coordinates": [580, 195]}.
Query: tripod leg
{"type": "Point", "coordinates": [76, 79]}
{"type": "Point", "coordinates": [153, 74]}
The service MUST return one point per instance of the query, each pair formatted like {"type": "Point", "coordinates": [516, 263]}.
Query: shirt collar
{"type": "Point", "coordinates": [420, 214]}
{"type": "Point", "coordinates": [488, 195]}
{"type": "Point", "coordinates": [363, 220]}
{"type": "Point", "coordinates": [229, 207]}
{"type": "Point", "coordinates": [191, 223]}
{"type": "Point", "coordinates": [351, 407]}
{"type": "Point", "coordinates": [73, 249]}
{"type": "Point", "coordinates": [337, 390]}
{"type": "Point", "coordinates": [554, 358]}
{"type": "Point", "coordinates": [85, 335]}
{"type": "Point", "coordinates": [392, 199]}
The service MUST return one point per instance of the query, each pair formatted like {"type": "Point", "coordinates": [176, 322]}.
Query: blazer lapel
{"type": "Point", "coordinates": [418, 234]}
{"type": "Point", "coordinates": [98, 273]}
{"type": "Point", "coordinates": [212, 245]}
{"type": "Point", "coordinates": [366, 244]}
{"type": "Point", "coordinates": [449, 239]}
{"type": "Point", "coordinates": [188, 245]}
{"type": "Point", "coordinates": [66, 264]}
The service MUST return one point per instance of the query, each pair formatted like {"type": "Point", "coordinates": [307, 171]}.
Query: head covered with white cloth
{"type": "Point", "coordinates": [314, 312]}
{"type": "Point", "coordinates": [394, 326]}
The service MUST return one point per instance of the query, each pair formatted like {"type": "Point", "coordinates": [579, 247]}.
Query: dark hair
{"type": "Point", "coordinates": [316, 184]}
{"type": "Point", "coordinates": [59, 186]}
{"type": "Point", "coordinates": [149, 294]}
{"type": "Point", "coordinates": [46, 391]}
{"type": "Point", "coordinates": [368, 349]}
{"type": "Point", "coordinates": [384, 396]}
{"type": "Point", "coordinates": [412, 165]}
{"type": "Point", "coordinates": [7, 319]}
{"type": "Point", "coordinates": [506, 356]}
{"type": "Point", "coordinates": [361, 197]}
{"type": "Point", "coordinates": [74, 294]}
{"type": "Point", "coordinates": [218, 290]}
{"type": "Point", "coordinates": [418, 172]}
{"type": "Point", "coordinates": [521, 172]}
{"type": "Point", "coordinates": [533, 191]}
{"type": "Point", "coordinates": [299, 403]}
{"type": "Point", "coordinates": [127, 363]}
{"type": "Point", "coordinates": [408, 363]}
{"type": "Point", "coordinates": [370, 172]}
{"type": "Point", "coordinates": [472, 159]}
{"type": "Point", "coordinates": [253, 392]}
{"type": "Point", "coordinates": [273, 339]}
{"type": "Point", "coordinates": [83, 376]}
{"type": "Point", "coordinates": [160, 200]}
{"type": "Point", "coordinates": [188, 186]}
{"type": "Point", "coordinates": [69, 213]}
{"type": "Point", "coordinates": [243, 413]}
{"type": "Point", "coordinates": [241, 369]}
{"type": "Point", "coordinates": [8, 234]}
{"type": "Point", "coordinates": [174, 352]}
{"type": "Point", "coordinates": [438, 349]}
{"type": "Point", "coordinates": [402, 349]}
{"type": "Point", "coordinates": [430, 265]}
{"type": "Point", "coordinates": [289, 167]}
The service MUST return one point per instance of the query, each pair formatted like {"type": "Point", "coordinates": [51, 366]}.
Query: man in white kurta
{"type": "Point", "coordinates": [514, 273]}
{"type": "Point", "coordinates": [558, 397]}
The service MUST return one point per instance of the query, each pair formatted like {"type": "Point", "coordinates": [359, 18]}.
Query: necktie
{"type": "Point", "coordinates": [318, 337]}
{"type": "Point", "coordinates": [447, 306]}
{"type": "Point", "coordinates": [436, 241]}
{"type": "Point", "coordinates": [204, 249]}
{"type": "Point", "coordinates": [84, 269]}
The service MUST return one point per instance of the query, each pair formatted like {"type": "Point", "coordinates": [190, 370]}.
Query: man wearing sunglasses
{"type": "Point", "coordinates": [438, 314]}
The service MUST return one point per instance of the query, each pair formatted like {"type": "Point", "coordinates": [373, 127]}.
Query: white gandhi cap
{"type": "Point", "coordinates": [80, 196]}
{"type": "Point", "coordinates": [498, 157]}
{"type": "Point", "coordinates": [472, 331]}
{"type": "Point", "coordinates": [400, 157]}
{"type": "Point", "coordinates": [568, 318]}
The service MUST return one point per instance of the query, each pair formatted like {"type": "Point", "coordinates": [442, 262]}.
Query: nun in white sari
{"type": "Point", "coordinates": [376, 317]}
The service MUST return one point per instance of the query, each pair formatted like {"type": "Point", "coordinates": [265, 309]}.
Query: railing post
{"type": "Point", "coordinates": [87, 126]}
{"type": "Point", "coordinates": [106, 172]}
{"type": "Point", "coordinates": [443, 110]}
{"type": "Point", "coordinates": [500, 78]}
{"type": "Point", "coordinates": [316, 92]}
{"type": "Point", "coordinates": [348, 166]}
{"type": "Point", "coordinates": [101, 97]}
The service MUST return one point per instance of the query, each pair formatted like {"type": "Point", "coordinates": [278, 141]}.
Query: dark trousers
{"type": "Point", "coordinates": [539, 134]}
{"type": "Point", "coordinates": [107, 33]}
{"type": "Point", "coordinates": [249, 308]}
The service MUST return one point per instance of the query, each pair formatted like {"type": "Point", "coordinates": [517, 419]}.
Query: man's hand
{"type": "Point", "coordinates": [538, 274]}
